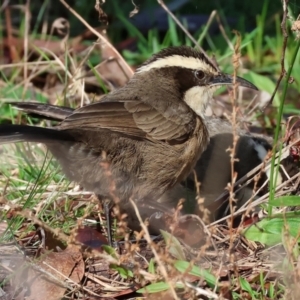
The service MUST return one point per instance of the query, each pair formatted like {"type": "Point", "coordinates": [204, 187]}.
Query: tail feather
{"type": "Point", "coordinates": [45, 111]}
{"type": "Point", "coordinates": [22, 133]}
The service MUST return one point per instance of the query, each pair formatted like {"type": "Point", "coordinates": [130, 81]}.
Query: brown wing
{"type": "Point", "coordinates": [133, 118]}
{"type": "Point", "coordinates": [109, 115]}
{"type": "Point", "coordinates": [156, 124]}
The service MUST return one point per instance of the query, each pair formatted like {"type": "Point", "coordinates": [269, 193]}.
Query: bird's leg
{"type": "Point", "coordinates": [107, 211]}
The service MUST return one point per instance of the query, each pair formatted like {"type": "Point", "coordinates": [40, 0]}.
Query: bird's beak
{"type": "Point", "coordinates": [224, 79]}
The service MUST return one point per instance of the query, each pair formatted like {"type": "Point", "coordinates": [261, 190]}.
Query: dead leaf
{"type": "Point", "coordinates": [47, 278]}
{"type": "Point", "coordinates": [189, 230]}
{"type": "Point", "coordinates": [112, 69]}
{"type": "Point", "coordinates": [91, 238]}
{"type": "Point", "coordinates": [134, 11]}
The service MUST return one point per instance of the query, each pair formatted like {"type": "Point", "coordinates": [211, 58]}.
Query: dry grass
{"type": "Point", "coordinates": [42, 212]}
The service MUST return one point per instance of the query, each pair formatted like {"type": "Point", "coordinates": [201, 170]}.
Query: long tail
{"type": "Point", "coordinates": [22, 133]}
{"type": "Point", "coordinates": [45, 111]}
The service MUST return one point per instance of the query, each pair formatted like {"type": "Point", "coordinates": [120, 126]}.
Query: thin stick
{"type": "Point", "coordinates": [26, 43]}
{"type": "Point", "coordinates": [254, 203]}
{"type": "Point", "coordinates": [285, 38]}
{"type": "Point", "coordinates": [149, 241]}
{"type": "Point", "coordinates": [162, 4]}
{"type": "Point", "coordinates": [100, 36]}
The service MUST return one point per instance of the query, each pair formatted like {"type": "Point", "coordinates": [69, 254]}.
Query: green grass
{"type": "Point", "coordinates": [34, 183]}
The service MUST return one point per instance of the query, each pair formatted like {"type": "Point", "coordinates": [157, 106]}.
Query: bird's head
{"type": "Point", "coordinates": [188, 72]}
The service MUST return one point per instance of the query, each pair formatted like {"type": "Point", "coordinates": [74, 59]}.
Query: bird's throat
{"type": "Point", "coordinates": [197, 99]}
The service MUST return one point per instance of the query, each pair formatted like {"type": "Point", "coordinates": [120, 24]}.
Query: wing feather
{"type": "Point", "coordinates": [133, 118]}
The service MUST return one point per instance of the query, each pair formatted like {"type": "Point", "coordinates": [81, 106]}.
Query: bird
{"type": "Point", "coordinates": [140, 140]}
{"type": "Point", "coordinates": [213, 170]}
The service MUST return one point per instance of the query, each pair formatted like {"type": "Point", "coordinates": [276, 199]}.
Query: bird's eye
{"type": "Point", "coordinates": [199, 74]}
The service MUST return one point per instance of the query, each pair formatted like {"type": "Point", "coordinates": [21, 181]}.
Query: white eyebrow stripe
{"type": "Point", "coordinates": [177, 61]}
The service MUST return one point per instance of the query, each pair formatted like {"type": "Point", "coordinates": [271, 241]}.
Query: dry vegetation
{"type": "Point", "coordinates": [53, 241]}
